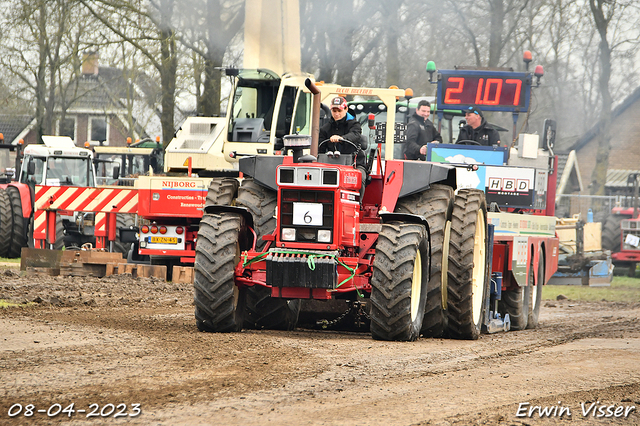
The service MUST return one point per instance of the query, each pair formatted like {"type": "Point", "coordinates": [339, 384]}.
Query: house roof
{"type": "Point", "coordinates": [12, 125]}
{"type": "Point", "coordinates": [569, 174]}
{"type": "Point", "coordinates": [99, 92]}
{"type": "Point", "coordinates": [618, 178]}
{"type": "Point", "coordinates": [593, 131]}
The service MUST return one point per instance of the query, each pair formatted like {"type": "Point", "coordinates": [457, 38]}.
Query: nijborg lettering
{"type": "Point", "coordinates": [177, 184]}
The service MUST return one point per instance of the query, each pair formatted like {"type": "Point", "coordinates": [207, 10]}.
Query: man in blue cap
{"type": "Point", "coordinates": [477, 129]}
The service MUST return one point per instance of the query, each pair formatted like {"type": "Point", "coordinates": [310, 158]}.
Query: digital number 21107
{"type": "Point", "coordinates": [487, 92]}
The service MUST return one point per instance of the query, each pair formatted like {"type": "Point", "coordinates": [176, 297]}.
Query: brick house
{"type": "Point", "coordinates": [96, 110]}
{"type": "Point", "coordinates": [624, 156]}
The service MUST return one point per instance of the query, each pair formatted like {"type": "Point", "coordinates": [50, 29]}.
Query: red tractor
{"type": "Point", "coordinates": [299, 231]}
{"type": "Point", "coordinates": [621, 230]}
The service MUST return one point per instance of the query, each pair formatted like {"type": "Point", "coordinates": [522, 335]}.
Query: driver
{"type": "Point", "coordinates": [343, 125]}
{"type": "Point", "coordinates": [477, 129]}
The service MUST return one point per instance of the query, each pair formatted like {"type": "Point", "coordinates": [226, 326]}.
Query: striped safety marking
{"type": "Point", "coordinates": [98, 200]}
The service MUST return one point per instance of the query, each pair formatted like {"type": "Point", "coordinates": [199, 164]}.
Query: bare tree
{"type": "Point", "coordinates": [42, 52]}
{"type": "Point", "coordinates": [150, 28]}
{"type": "Point", "coordinates": [604, 13]}
{"type": "Point", "coordinates": [331, 34]}
{"type": "Point", "coordinates": [209, 35]}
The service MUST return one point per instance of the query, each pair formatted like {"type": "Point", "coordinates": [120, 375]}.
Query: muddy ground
{"type": "Point", "coordinates": [126, 341]}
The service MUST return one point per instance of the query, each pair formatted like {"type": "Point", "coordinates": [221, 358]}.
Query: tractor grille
{"type": "Point", "coordinates": [306, 233]}
{"type": "Point", "coordinates": [309, 270]}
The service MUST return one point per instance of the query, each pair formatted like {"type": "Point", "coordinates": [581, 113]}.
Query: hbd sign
{"type": "Point", "coordinates": [510, 186]}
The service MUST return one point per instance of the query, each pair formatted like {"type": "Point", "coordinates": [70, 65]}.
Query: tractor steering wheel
{"type": "Point", "coordinates": [468, 142]}
{"type": "Point", "coordinates": [355, 145]}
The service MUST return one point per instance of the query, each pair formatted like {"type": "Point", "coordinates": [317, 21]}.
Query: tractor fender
{"type": "Point", "coordinates": [386, 217]}
{"type": "Point", "coordinates": [242, 211]}
{"type": "Point", "coordinates": [26, 198]}
{"type": "Point", "coordinates": [262, 168]}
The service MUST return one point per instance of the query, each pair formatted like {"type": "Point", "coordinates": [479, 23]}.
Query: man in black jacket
{"type": "Point", "coordinates": [420, 131]}
{"type": "Point", "coordinates": [343, 125]}
{"type": "Point", "coordinates": [477, 129]}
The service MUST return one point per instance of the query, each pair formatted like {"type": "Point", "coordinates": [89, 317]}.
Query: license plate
{"type": "Point", "coordinates": [163, 240]}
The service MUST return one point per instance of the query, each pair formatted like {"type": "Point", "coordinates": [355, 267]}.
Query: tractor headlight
{"type": "Point", "coordinates": [324, 236]}
{"type": "Point", "coordinates": [288, 234]}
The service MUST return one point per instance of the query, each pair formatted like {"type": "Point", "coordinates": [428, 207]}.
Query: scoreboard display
{"type": "Point", "coordinates": [490, 90]}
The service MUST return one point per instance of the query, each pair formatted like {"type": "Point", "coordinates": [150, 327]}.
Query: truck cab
{"type": "Point", "coordinates": [263, 107]}
{"type": "Point", "coordinates": [57, 162]}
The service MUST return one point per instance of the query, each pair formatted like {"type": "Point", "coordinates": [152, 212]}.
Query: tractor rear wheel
{"type": "Point", "coordinates": [261, 202]}
{"type": "Point", "coordinates": [219, 303]}
{"type": "Point", "coordinates": [18, 230]}
{"type": "Point", "coordinates": [436, 205]}
{"type": "Point", "coordinates": [123, 221]}
{"type": "Point", "coordinates": [536, 292]}
{"type": "Point", "coordinates": [468, 273]}
{"type": "Point", "coordinates": [222, 191]}
{"type": "Point", "coordinates": [611, 233]}
{"type": "Point", "coordinates": [6, 223]}
{"type": "Point", "coordinates": [270, 313]}
{"type": "Point", "coordinates": [399, 282]}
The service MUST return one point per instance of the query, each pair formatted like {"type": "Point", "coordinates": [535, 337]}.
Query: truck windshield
{"type": "Point", "coordinates": [72, 171]}
{"type": "Point", "coordinates": [131, 166]}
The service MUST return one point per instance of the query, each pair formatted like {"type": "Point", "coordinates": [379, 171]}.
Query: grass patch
{"type": "Point", "coordinates": [4, 259]}
{"type": "Point", "coordinates": [4, 304]}
{"type": "Point", "coordinates": [622, 289]}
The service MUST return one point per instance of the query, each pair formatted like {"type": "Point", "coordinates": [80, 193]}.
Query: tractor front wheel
{"type": "Point", "coordinates": [6, 223]}
{"type": "Point", "coordinates": [399, 282]}
{"type": "Point", "coordinates": [468, 274]}
{"type": "Point", "coordinates": [436, 205]}
{"type": "Point", "coordinates": [18, 230]}
{"type": "Point", "coordinates": [219, 303]}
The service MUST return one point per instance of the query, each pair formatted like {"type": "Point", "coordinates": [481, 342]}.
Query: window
{"type": "Point", "coordinates": [67, 127]}
{"type": "Point", "coordinates": [98, 130]}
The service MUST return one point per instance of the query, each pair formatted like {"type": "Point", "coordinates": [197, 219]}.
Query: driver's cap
{"type": "Point", "coordinates": [339, 102]}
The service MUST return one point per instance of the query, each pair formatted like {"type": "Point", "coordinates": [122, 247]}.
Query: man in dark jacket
{"type": "Point", "coordinates": [343, 125]}
{"type": "Point", "coordinates": [420, 131]}
{"type": "Point", "coordinates": [477, 129]}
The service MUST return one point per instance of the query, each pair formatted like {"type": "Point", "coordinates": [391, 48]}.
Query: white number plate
{"type": "Point", "coordinates": [307, 214]}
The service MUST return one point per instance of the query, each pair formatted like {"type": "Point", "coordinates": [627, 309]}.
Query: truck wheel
{"type": "Point", "coordinates": [535, 292]}
{"type": "Point", "coordinates": [6, 223]}
{"type": "Point", "coordinates": [219, 303]}
{"type": "Point", "coordinates": [436, 205]}
{"type": "Point", "coordinates": [515, 302]}
{"type": "Point", "coordinates": [399, 282]}
{"type": "Point", "coordinates": [123, 221]}
{"type": "Point", "coordinates": [611, 233]}
{"type": "Point", "coordinates": [468, 273]}
{"type": "Point", "coordinates": [270, 313]}
{"type": "Point", "coordinates": [262, 203]}
{"type": "Point", "coordinates": [222, 191]}
{"type": "Point", "coordinates": [18, 230]}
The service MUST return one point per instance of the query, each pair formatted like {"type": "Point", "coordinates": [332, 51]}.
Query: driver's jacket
{"type": "Point", "coordinates": [349, 129]}
{"type": "Point", "coordinates": [484, 134]}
